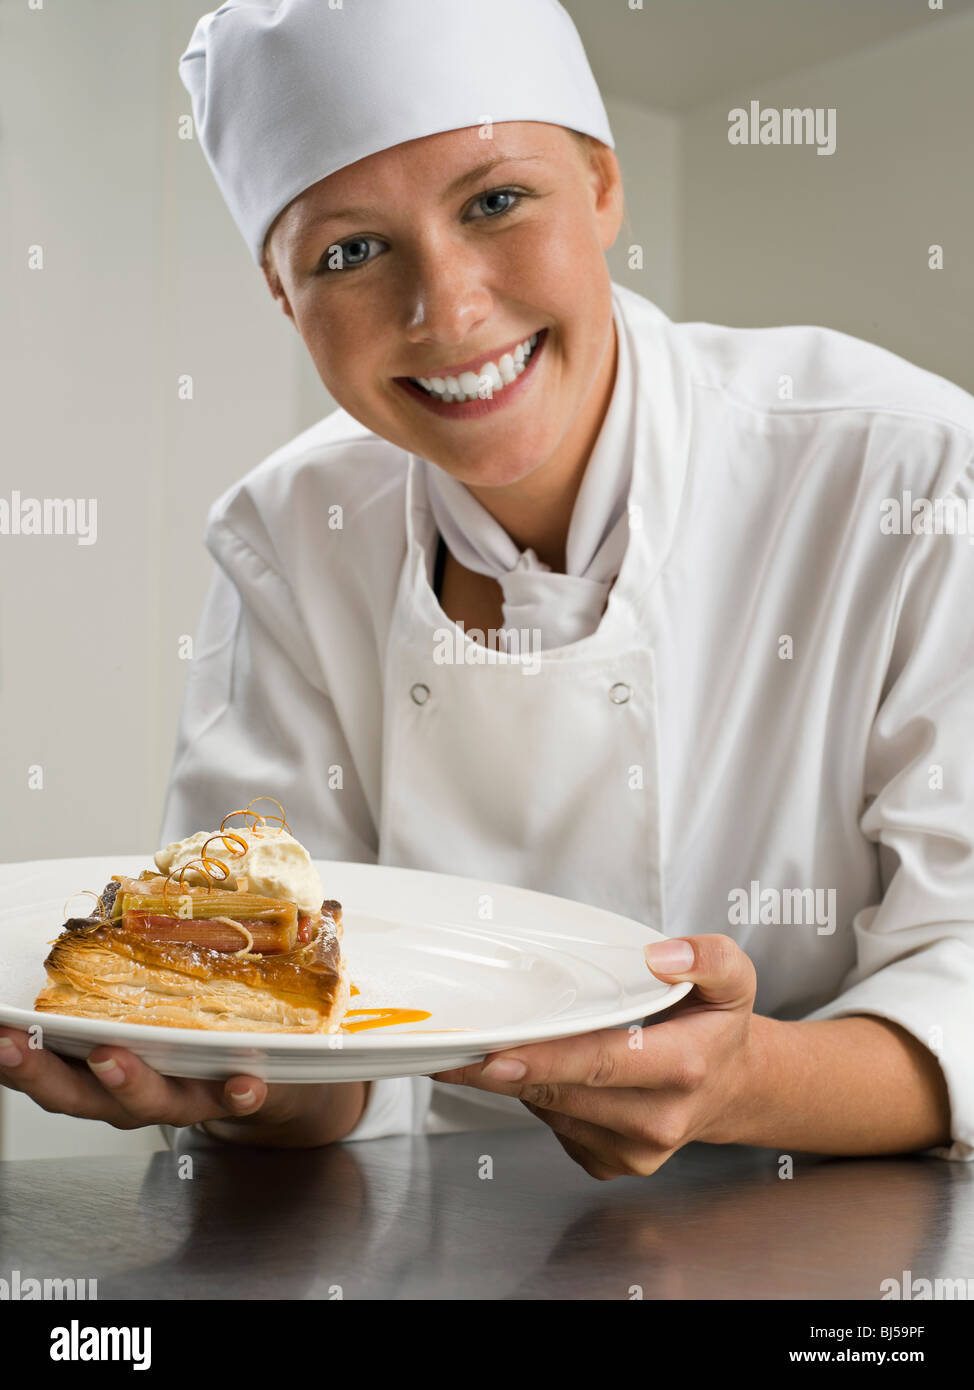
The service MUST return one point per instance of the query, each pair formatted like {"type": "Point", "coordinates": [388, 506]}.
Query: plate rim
{"type": "Point", "coordinates": [353, 1047]}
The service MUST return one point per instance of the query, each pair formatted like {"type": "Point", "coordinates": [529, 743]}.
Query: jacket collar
{"type": "Point", "coordinates": [658, 434]}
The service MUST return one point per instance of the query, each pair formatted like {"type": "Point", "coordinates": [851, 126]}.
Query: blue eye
{"type": "Point", "coordinates": [499, 193]}
{"type": "Point", "coordinates": [346, 254]}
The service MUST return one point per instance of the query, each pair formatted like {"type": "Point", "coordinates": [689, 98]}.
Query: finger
{"type": "Point", "coordinates": [59, 1085]}
{"type": "Point", "coordinates": [576, 1152]}
{"type": "Point", "coordinates": [612, 1058]}
{"type": "Point", "coordinates": [624, 1112]}
{"type": "Point", "coordinates": [631, 1113]}
{"type": "Point", "coordinates": [723, 975]}
{"type": "Point", "coordinates": [88, 1091]}
{"type": "Point", "coordinates": [147, 1097]}
{"type": "Point", "coordinates": [590, 1162]}
{"type": "Point", "coordinates": [609, 1151]}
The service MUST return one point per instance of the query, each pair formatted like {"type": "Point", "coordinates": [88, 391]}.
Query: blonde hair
{"type": "Point", "coordinates": [587, 143]}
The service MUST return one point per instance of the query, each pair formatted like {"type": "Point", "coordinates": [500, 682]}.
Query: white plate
{"type": "Point", "coordinates": [495, 966]}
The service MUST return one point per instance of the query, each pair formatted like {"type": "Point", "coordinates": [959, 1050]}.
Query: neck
{"type": "Point", "coordinates": [536, 511]}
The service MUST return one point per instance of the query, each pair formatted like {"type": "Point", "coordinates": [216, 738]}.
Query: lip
{"type": "Point", "coordinates": [474, 363]}
{"type": "Point", "coordinates": [472, 410]}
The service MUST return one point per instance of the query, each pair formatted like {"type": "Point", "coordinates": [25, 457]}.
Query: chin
{"type": "Point", "coordinates": [499, 463]}
{"type": "Point", "coordinates": [493, 473]}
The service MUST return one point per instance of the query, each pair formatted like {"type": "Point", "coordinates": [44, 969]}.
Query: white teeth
{"type": "Point", "coordinates": [493, 375]}
{"type": "Point", "coordinates": [467, 387]}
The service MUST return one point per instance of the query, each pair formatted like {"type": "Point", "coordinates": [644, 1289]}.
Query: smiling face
{"type": "Point", "coordinates": [419, 263]}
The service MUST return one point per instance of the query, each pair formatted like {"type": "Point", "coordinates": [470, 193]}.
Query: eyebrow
{"type": "Point", "coordinates": [457, 186]}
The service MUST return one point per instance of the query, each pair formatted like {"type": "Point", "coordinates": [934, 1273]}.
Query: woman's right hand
{"type": "Point", "coordinates": [117, 1087]}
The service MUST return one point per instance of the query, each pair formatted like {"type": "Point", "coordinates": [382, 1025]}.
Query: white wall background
{"type": "Point", "coordinates": [145, 280]}
{"type": "Point", "coordinates": [774, 234]}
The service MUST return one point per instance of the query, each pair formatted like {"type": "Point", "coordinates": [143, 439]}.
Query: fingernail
{"type": "Point", "coordinates": [671, 957]}
{"type": "Point", "coordinates": [9, 1055]}
{"type": "Point", "coordinates": [109, 1072]}
{"type": "Point", "coordinates": [242, 1097]}
{"type": "Point", "coordinates": [505, 1069]}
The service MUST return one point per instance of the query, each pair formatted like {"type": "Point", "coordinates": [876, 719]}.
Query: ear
{"type": "Point", "coordinates": [605, 177]}
{"type": "Point", "coordinates": [274, 282]}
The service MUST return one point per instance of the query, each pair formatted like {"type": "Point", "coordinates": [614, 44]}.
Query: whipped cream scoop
{"type": "Point", "coordinates": [276, 864]}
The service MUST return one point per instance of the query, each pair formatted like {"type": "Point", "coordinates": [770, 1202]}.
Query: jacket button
{"type": "Point", "coordinates": [420, 694]}
{"type": "Point", "coordinates": [620, 693]}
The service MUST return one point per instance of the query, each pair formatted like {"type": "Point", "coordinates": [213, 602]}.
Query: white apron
{"type": "Point", "coordinates": [531, 752]}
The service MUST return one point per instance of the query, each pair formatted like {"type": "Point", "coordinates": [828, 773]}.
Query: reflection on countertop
{"type": "Point", "coordinates": [492, 1214]}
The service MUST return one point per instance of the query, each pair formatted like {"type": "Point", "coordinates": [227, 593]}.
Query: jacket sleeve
{"type": "Point", "coordinates": [256, 718]}
{"type": "Point", "coordinates": [915, 948]}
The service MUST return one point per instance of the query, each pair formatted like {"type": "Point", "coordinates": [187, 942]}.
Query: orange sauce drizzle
{"type": "Point", "coordinates": [354, 989]}
{"type": "Point", "coordinates": [382, 1018]}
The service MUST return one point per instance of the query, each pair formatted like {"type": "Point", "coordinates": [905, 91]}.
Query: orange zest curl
{"type": "Point", "coordinates": [236, 847]}
{"type": "Point", "coordinates": [245, 812]}
{"type": "Point", "coordinates": [258, 818]}
{"type": "Point", "coordinates": [229, 838]}
{"type": "Point", "coordinates": [264, 819]}
{"type": "Point", "coordinates": [203, 864]}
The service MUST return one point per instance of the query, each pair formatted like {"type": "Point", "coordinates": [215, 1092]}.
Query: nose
{"type": "Point", "coordinates": [446, 296]}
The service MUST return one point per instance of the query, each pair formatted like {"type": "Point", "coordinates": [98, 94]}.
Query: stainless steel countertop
{"type": "Point", "coordinates": [413, 1218]}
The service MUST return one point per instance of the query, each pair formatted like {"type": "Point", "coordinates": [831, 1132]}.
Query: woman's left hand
{"type": "Point", "coordinates": [622, 1101]}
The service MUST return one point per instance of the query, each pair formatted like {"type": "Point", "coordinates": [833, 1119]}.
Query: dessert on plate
{"type": "Point", "coordinates": [230, 931]}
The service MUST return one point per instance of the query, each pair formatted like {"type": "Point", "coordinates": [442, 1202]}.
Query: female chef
{"type": "Point", "coordinates": [708, 688]}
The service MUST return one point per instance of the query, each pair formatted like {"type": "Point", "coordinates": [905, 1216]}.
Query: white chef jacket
{"type": "Point", "coordinates": [778, 700]}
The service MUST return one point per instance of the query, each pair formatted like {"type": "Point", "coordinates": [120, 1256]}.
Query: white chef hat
{"type": "Point", "coordinates": [285, 92]}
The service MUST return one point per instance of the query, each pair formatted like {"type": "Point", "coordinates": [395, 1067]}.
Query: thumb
{"type": "Point", "coordinates": [722, 973]}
